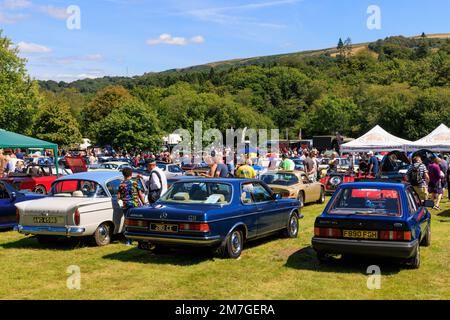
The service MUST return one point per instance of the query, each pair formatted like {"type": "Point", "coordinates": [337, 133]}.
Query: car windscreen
{"type": "Point", "coordinates": [77, 188]}
{"type": "Point", "coordinates": [199, 192]}
{"type": "Point", "coordinates": [366, 201]}
{"type": "Point", "coordinates": [281, 179]}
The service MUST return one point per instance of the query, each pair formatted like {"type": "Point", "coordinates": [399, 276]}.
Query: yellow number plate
{"type": "Point", "coordinates": [158, 227]}
{"type": "Point", "coordinates": [360, 234]}
{"type": "Point", "coordinates": [47, 220]}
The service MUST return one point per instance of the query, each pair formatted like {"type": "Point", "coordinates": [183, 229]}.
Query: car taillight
{"type": "Point", "coordinates": [136, 223]}
{"type": "Point", "coordinates": [76, 217]}
{"type": "Point", "coordinates": [17, 216]}
{"type": "Point", "coordinates": [395, 235]}
{"type": "Point", "coordinates": [203, 227]}
{"type": "Point", "coordinates": [328, 232]}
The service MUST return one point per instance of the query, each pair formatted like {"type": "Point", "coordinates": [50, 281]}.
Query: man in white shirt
{"type": "Point", "coordinates": [157, 183]}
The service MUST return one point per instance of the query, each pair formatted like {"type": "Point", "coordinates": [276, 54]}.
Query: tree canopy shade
{"type": "Point", "coordinates": [14, 140]}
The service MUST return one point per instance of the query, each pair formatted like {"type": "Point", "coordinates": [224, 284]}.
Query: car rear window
{"type": "Point", "coordinates": [366, 201]}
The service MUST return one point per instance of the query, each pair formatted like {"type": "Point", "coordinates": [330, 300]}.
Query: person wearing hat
{"type": "Point", "coordinates": [157, 183]}
{"type": "Point", "coordinates": [373, 164]}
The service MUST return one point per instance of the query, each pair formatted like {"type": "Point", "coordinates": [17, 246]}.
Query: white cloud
{"type": "Point", "coordinates": [28, 47]}
{"type": "Point", "coordinates": [12, 18]}
{"type": "Point", "coordinates": [54, 12]}
{"type": "Point", "coordinates": [16, 4]}
{"type": "Point", "coordinates": [198, 39]}
{"type": "Point", "coordinates": [221, 15]}
{"type": "Point", "coordinates": [166, 38]}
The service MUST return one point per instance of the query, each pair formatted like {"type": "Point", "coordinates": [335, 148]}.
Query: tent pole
{"type": "Point", "coordinates": [55, 155]}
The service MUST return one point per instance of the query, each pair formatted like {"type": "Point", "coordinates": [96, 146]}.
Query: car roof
{"type": "Point", "coordinates": [99, 177]}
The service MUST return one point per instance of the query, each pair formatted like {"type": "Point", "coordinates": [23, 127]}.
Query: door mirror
{"type": "Point", "coordinates": [13, 196]}
{"type": "Point", "coordinates": [277, 196]}
{"type": "Point", "coordinates": [428, 203]}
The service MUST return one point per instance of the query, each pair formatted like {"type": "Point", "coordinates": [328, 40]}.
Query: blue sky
{"type": "Point", "coordinates": [131, 37]}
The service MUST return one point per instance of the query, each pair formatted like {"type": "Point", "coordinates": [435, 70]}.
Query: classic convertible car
{"type": "Point", "coordinates": [8, 198]}
{"type": "Point", "coordinates": [393, 166]}
{"type": "Point", "coordinates": [214, 213]}
{"type": "Point", "coordinates": [295, 185]}
{"type": "Point", "coordinates": [36, 178]}
{"type": "Point", "coordinates": [84, 204]}
{"type": "Point", "coordinates": [374, 218]}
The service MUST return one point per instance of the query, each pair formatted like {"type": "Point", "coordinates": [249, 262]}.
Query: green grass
{"type": "Point", "coordinates": [274, 268]}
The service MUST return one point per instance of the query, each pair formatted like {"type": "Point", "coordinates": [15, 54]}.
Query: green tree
{"type": "Point", "coordinates": [55, 123]}
{"type": "Point", "coordinates": [19, 95]}
{"type": "Point", "coordinates": [104, 102]}
{"type": "Point", "coordinates": [129, 125]}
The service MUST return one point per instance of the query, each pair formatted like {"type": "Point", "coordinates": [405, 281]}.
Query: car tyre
{"type": "Point", "coordinates": [293, 226]}
{"type": "Point", "coordinates": [414, 261]}
{"type": "Point", "coordinates": [103, 235]}
{"type": "Point", "coordinates": [426, 241]}
{"type": "Point", "coordinates": [234, 243]}
{"type": "Point", "coordinates": [322, 196]}
{"type": "Point", "coordinates": [40, 189]}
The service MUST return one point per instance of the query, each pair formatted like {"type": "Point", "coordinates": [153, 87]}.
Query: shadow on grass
{"type": "Point", "coordinates": [172, 256]}
{"type": "Point", "coordinates": [445, 214]}
{"type": "Point", "coordinates": [306, 259]}
{"type": "Point", "coordinates": [58, 243]}
{"type": "Point", "coordinates": [33, 243]}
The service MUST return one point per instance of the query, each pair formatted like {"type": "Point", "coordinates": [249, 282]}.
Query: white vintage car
{"type": "Point", "coordinates": [80, 205]}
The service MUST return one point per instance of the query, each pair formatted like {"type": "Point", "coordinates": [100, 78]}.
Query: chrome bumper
{"type": "Point", "coordinates": [171, 240]}
{"type": "Point", "coordinates": [52, 231]}
{"type": "Point", "coordinates": [366, 247]}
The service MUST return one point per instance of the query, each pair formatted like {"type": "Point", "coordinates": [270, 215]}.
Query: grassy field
{"type": "Point", "coordinates": [271, 269]}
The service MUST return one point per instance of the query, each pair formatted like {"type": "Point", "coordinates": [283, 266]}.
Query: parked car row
{"type": "Point", "coordinates": [364, 218]}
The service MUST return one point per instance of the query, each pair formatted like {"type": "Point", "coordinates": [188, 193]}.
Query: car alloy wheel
{"type": "Point", "coordinates": [233, 245]}
{"type": "Point", "coordinates": [40, 189]}
{"type": "Point", "coordinates": [322, 196]}
{"type": "Point", "coordinates": [292, 229]}
{"type": "Point", "coordinates": [236, 242]}
{"type": "Point", "coordinates": [102, 235]}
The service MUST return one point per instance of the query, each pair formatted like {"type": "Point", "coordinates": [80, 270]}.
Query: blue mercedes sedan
{"type": "Point", "coordinates": [216, 213]}
{"type": "Point", "coordinates": [374, 219]}
{"type": "Point", "coordinates": [8, 198]}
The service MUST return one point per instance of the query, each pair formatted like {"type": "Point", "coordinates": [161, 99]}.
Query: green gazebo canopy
{"type": "Point", "coordinates": [14, 140]}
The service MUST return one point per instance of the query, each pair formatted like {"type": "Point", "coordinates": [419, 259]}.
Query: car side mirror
{"type": "Point", "coordinates": [277, 196]}
{"type": "Point", "coordinates": [13, 196]}
{"type": "Point", "coordinates": [428, 203]}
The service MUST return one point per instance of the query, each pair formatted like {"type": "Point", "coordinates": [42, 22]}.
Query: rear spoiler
{"type": "Point", "coordinates": [392, 180]}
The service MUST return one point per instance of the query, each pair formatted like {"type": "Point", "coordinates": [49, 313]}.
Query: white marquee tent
{"type": "Point", "coordinates": [438, 140]}
{"type": "Point", "coordinates": [376, 140]}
